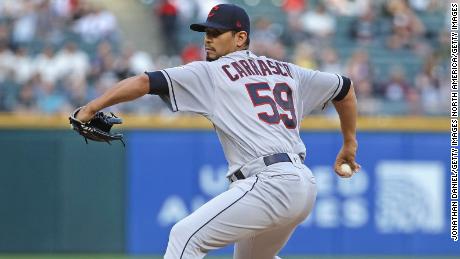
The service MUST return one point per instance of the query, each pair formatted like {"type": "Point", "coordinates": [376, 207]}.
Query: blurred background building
{"type": "Point", "coordinates": [58, 54]}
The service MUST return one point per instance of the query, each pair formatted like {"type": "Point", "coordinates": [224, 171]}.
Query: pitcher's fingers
{"type": "Point", "coordinates": [356, 167]}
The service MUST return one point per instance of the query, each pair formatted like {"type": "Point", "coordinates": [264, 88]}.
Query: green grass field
{"type": "Point", "coordinates": [77, 256]}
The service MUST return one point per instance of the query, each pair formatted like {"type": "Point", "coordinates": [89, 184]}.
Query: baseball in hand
{"type": "Point", "coordinates": [345, 168]}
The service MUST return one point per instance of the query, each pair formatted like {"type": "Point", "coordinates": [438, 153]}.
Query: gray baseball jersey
{"type": "Point", "coordinates": [255, 103]}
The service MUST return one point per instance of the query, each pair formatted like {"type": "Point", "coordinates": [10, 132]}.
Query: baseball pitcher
{"type": "Point", "coordinates": [256, 105]}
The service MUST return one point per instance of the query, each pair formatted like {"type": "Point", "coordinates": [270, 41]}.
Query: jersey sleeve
{"type": "Point", "coordinates": [317, 88]}
{"type": "Point", "coordinates": [190, 88]}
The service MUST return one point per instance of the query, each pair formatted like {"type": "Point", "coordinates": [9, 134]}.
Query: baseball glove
{"type": "Point", "coordinates": [98, 128]}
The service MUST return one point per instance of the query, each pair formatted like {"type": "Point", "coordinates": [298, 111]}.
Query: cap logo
{"type": "Point", "coordinates": [238, 24]}
{"type": "Point", "coordinates": [211, 13]}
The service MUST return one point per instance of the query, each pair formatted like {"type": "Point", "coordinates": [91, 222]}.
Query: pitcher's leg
{"type": "Point", "coordinates": [265, 245]}
{"type": "Point", "coordinates": [231, 216]}
{"type": "Point", "coordinates": [300, 198]}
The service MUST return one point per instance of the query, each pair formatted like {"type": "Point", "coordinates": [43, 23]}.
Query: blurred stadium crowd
{"type": "Point", "coordinates": [58, 54]}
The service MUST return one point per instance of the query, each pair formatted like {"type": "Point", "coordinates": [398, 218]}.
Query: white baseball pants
{"type": "Point", "coordinates": [258, 214]}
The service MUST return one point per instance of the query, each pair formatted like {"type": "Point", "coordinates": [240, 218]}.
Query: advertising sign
{"type": "Point", "coordinates": [397, 204]}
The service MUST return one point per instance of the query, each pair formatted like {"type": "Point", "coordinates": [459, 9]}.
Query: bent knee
{"type": "Point", "coordinates": [185, 236]}
{"type": "Point", "coordinates": [180, 230]}
{"type": "Point", "coordinates": [184, 242]}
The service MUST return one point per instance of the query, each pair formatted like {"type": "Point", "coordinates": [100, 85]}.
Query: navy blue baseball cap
{"type": "Point", "coordinates": [225, 17]}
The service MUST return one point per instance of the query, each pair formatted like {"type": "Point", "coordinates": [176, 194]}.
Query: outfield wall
{"type": "Point", "coordinates": [59, 194]}
{"type": "Point", "coordinates": [398, 204]}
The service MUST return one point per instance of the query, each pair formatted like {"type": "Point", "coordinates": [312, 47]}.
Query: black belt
{"type": "Point", "coordinates": [268, 160]}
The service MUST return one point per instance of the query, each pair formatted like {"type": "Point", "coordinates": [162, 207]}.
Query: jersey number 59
{"type": "Point", "coordinates": [286, 103]}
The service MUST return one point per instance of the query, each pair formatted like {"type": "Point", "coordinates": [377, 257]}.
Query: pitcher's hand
{"type": "Point", "coordinates": [347, 155]}
{"type": "Point", "coordinates": [85, 114]}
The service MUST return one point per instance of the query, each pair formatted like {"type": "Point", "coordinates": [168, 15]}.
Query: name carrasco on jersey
{"type": "Point", "coordinates": [242, 68]}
